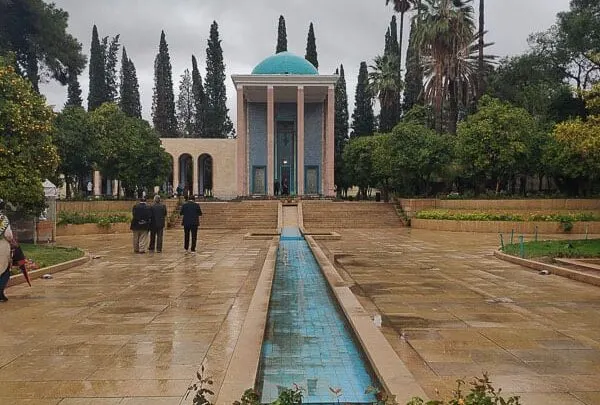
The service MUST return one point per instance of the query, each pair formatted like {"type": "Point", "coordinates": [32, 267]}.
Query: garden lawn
{"type": "Point", "coordinates": [557, 248]}
{"type": "Point", "coordinates": [46, 256]}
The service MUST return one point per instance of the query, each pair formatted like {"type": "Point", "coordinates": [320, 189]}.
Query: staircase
{"type": "Point", "coordinates": [237, 215]}
{"type": "Point", "coordinates": [328, 215]}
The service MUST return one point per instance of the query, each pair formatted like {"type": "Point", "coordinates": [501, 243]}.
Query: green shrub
{"type": "Point", "coordinates": [508, 216]}
{"type": "Point", "coordinates": [103, 219]}
{"type": "Point", "coordinates": [482, 393]}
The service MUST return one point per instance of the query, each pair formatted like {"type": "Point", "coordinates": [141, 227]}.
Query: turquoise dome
{"type": "Point", "coordinates": [285, 63]}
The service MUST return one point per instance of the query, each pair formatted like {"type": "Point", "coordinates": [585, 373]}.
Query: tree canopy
{"type": "Point", "coordinates": [27, 154]}
{"type": "Point", "coordinates": [36, 32]}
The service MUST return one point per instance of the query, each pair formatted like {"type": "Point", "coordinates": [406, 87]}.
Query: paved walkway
{"type": "Point", "coordinates": [132, 329]}
{"type": "Point", "coordinates": [451, 310]}
{"type": "Point", "coordinates": [127, 329]}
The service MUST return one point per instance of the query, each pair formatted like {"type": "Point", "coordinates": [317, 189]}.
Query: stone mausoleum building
{"type": "Point", "coordinates": [285, 137]}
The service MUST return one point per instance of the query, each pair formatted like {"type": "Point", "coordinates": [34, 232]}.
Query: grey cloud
{"type": "Point", "coordinates": [347, 31]}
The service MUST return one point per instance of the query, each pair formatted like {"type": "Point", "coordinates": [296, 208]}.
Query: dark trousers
{"type": "Point", "coordinates": [193, 230]}
{"type": "Point", "coordinates": [4, 277]}
{"type": "Point", "coordinates": [156, 237]}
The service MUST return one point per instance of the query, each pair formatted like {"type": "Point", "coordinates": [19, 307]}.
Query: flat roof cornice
{"type": "Point", "coordinates": [284, 80]}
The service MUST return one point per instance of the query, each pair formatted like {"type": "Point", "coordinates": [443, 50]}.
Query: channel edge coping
{"type": "Point", "coordinates": [391, 371]}
{"type": "Point", "coordinates": [243, 367]}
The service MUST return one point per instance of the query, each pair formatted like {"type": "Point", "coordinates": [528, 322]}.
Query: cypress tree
{"type": "Point", "coordinates": [281, 36]}
{"type": "Point", "coordinates": [163, 100]}
{"type": "Point", "coordinates": [391, 112]}
{"type": "Point", "coordinates": [199, 101]}
{"type": "Point", "coordinates": [413, 90]}
{"type": "Point", "coordinates": [311, 47]}
{"type": "Point", "coordinates": [73, 92]}
{"type": "Point", "coordinates": [217, 124]}
{"type": "Point", "coordinates": [96, 95]}
{"type": "Point", "coordinates": [110, 51]}
{"type": "Point", "coordinates": [185, 105]}
{"type": "Point", "coordinates": [393, 37]}
{"type": "Point", "coordinates": [363, 120]}
{"type": "Point", "coordinates": [129, 89]}
{"type": "Point", "coordinates": [341, 126]}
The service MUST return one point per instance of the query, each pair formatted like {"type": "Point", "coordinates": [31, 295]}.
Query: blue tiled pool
{"type": "Point", "coordinates": [308, 341]}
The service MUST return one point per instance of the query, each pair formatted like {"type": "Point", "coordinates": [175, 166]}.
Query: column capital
{"type": "Point", "coordinates": [239, 87]}
{"type": "Point", "coordinates": [300, 87]}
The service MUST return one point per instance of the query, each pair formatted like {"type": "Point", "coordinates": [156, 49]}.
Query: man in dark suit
{"type": "Point", "coordinates": [159, 213]}
{"type": "Point", "coordinates": [191, 212]}
{"type": "Point", "coordinates": [140, 225]}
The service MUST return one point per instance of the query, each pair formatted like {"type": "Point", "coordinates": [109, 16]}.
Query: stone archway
{"type": "Point", "coordinates": [186, 173]}
{"type": "Point", "coordinates": [205, 175]}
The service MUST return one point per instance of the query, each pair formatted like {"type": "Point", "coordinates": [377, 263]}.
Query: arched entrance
{"type": "Point", "coordinates": [205, 175]}
{"type": "Point", "coordinates": [186, 173]}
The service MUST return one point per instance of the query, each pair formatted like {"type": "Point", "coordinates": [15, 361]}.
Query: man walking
{"type": "Point", "coordinates": [191, 213]}
{"type": "Point", "coordinates": [159, 213]}
{"type": "Point", "coordinates": [140, 225]}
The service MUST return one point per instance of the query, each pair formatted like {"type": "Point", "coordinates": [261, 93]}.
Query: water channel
{"type": "Point", "coordinates": [308, 341]}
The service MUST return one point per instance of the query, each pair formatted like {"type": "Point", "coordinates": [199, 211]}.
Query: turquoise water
{"type": "Point", "coordinates": [308, 341]}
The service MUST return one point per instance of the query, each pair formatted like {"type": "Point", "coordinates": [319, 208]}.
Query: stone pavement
{"type": "Point", "coordinates": [451, 310]}
{"type": "Point", "coordinates": [132, 329]}
{"type": "Point", "coordinates": [127, 329]}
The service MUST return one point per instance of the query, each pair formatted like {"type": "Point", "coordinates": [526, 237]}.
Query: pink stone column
{"type": "Point", "coordinates": [270, 140]}
{"type": "Point", "coordinates": [242, 161]}
{"type": "Point", "coordinates": [175, 173]}
{"type": "Point", "coordinates": [300, 118]}
{"type": "Point", "coordinates": [323, 174]}
{"type": "Point", "coordinates": [97, 183]}
{"type": "Point", "coordinates": [195, 189]}
{"type": "Point", "coordinates": [330, 142]}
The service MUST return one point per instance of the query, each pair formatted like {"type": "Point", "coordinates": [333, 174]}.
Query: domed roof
{"type": "Point", "coordinates": [285, 63]}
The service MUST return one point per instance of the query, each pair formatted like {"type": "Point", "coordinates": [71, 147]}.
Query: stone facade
{"type": "Point", "coordinates": [223, 155]}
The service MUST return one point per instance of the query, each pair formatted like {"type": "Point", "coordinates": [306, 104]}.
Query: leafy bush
{"type": "Point", "coordinates": [482, 393]}
{"type": "Point", "coordinates": [103, 219]}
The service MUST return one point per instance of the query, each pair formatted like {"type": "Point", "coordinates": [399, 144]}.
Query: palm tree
{"type": "Point", "coordinates": [445, 33]}
{"type": "Point", "coordinates": [481, 62]}
{"type": "Point", "coordinates": [386, 84]}
{"type": "Point", "coordinates": [401, 7]}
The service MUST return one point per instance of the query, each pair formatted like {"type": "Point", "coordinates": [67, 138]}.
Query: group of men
{"type": "Point", "coordinates": [150, 220]}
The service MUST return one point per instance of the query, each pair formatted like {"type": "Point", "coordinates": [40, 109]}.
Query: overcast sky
{"type": "Point", "coordinates": [347, 31]}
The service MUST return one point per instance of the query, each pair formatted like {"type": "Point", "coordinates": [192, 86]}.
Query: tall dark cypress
{"type": "Point", "coordinates": [218, 124]}
{"type": "Point", "coordinates": [129, 89]}
{"type": "Point", "coordinates": [73, 92]}
{"type": "Point", "coordinates": [163, 100]}
{"type": "Point", "coordinates": [281, 36]}
{"type": "Point", "coordinates": [390, 113]}
{"type": "Point", "coordinates": [363, 120]}
{"type": "Point", "coordinates": [393, 37]}
{"type": "Point", "coordinates": [311, 47]}
{"type": "Point", "coordinates": [413, 90]}
{"type": "Point", "coordinates": [341, 125]}
{"type": "Point", "coordinates": [110, 51]}
{"type": "Point", "coordinates": [96, 94]}
{"type": "Point", "coordinates": [199, 101]}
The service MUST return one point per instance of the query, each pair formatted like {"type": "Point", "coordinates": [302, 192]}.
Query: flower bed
{"type": "Point", "coordinates": [507, 216]}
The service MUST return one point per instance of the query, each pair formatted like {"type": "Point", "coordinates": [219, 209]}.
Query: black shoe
{"type": "Point", "coordinates": [3, 298]}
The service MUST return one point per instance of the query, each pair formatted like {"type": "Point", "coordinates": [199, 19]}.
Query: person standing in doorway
{"type": "Point", "coordinates": [90, 188]}
{"type": "Point", "coordinates": [140, 225]}
{"type": "Point", "coordinates": [159, 213]}
{"type": "Point", "coordinates": [6, 241]}
{"type": "Point", "coordinates": [191, 212]}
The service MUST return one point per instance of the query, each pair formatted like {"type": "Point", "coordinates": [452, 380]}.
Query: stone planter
{"type": "Point", "coordinates": [503, 226]}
